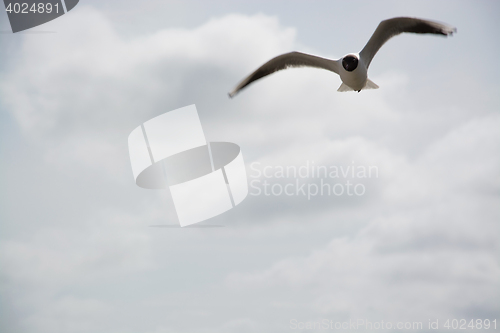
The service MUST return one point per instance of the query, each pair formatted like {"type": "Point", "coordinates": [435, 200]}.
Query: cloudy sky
{"type": "Point", "coordinates": [77, 250]}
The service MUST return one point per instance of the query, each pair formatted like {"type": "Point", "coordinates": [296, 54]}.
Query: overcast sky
{"type": "Point", "coordinates": [77, 250]}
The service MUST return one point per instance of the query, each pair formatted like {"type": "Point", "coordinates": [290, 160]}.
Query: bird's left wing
{"type": "Point", "coordinates": [393, 27]}
{"type": "Point", "coordinates": [284, 61]}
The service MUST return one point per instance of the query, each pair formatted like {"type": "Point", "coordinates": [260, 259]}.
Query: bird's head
{"type": "Point", "coordinates": [350, 62]}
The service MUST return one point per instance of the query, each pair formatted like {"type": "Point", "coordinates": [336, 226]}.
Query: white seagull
{"type": "Point", "coordinates": [353, 67]}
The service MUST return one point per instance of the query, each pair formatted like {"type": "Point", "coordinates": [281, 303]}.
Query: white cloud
{"type": "Point", "coordinates": [428, 252]}
{"type": "Point", "coordinates": [95, 86]}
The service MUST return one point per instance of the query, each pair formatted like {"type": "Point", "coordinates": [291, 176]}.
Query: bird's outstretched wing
{"type": "Point", "coordinates": [284, 61]}
{"type": "Point", "coordinates": [393, 27]}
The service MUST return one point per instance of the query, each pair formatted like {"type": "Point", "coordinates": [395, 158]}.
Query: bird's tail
{"type": "Point", "coordinates": [344, 87]}
{"type": "Point", "coordinates": [370, 85]}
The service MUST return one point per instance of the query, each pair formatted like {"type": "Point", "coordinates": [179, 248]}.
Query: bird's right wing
{"type": "Point", "coordinates": [284, 61]}
{"type": "Point", "coordinates": [393, 27]}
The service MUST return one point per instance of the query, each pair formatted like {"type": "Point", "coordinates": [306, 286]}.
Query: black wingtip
{"type": "Point", "coordinates": [449, 32]}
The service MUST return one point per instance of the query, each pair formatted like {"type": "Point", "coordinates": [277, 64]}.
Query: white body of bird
{"type": "Point", "coordinates": [356, 78]}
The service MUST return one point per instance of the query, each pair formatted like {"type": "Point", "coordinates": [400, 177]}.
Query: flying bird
{"type": "Point", "coordinates": [353, 67]}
